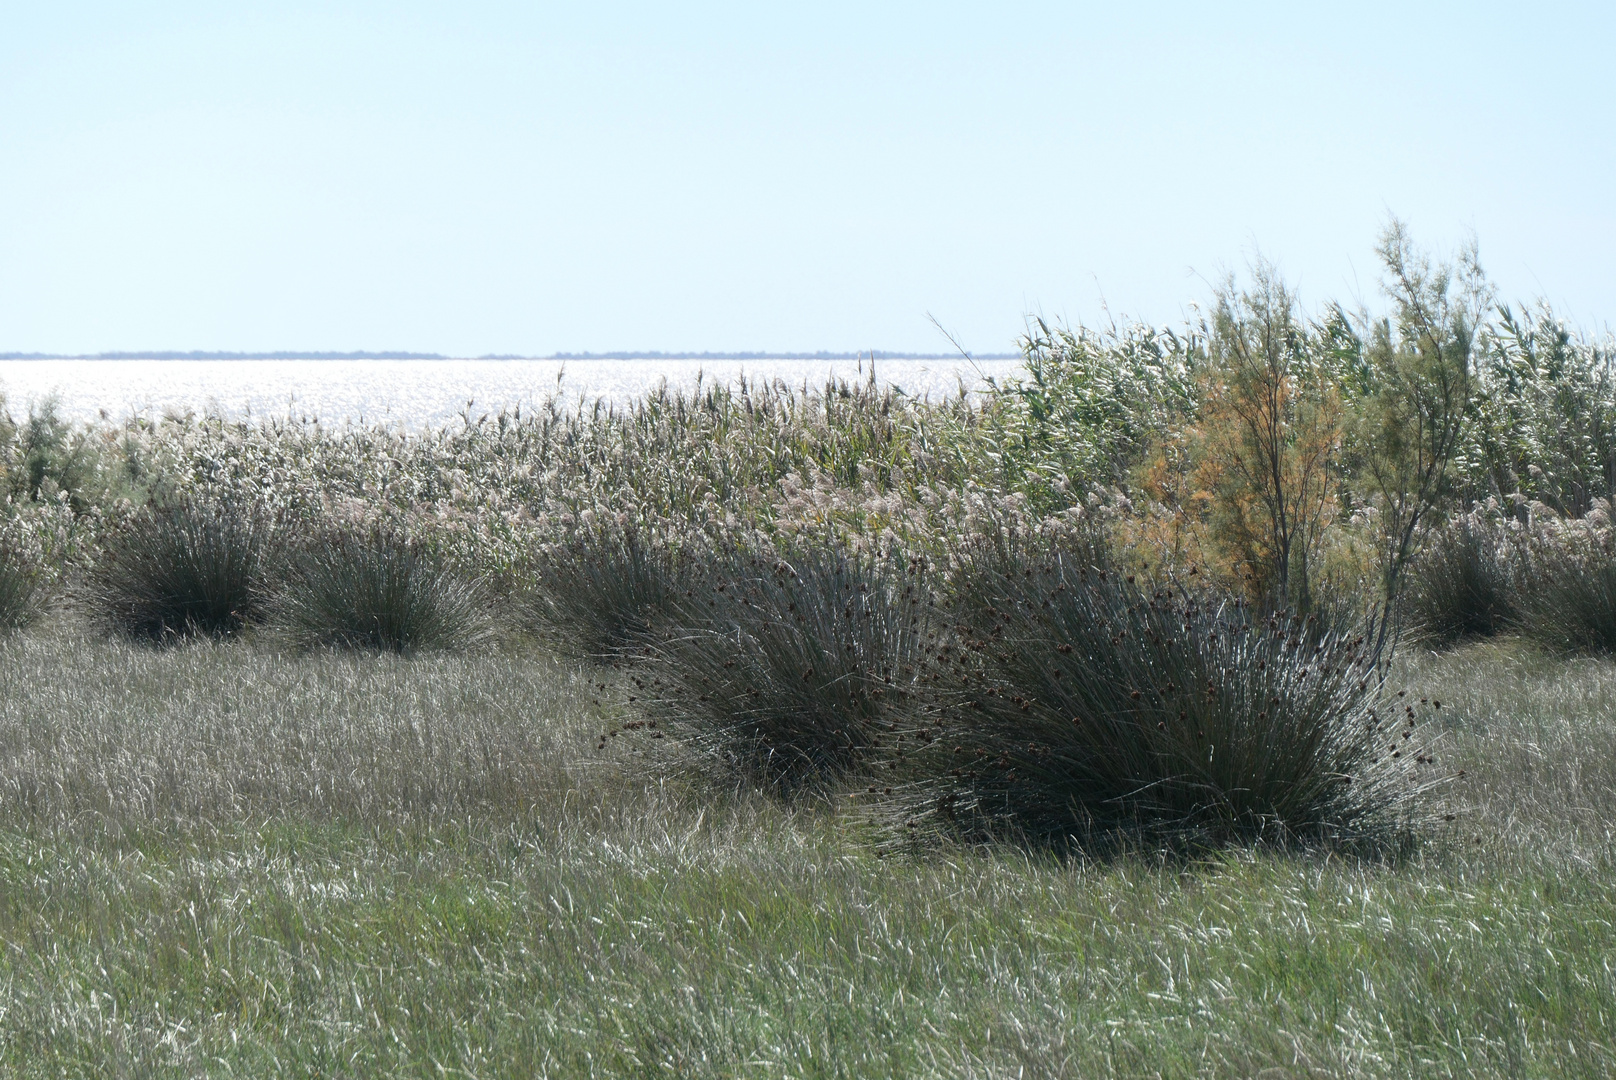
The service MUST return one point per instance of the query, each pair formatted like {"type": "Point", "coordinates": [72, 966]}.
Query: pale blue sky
{"type": "Point", "coordinates": [486, 176]}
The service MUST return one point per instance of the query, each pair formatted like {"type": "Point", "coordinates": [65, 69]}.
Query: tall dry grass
{"type": "Point", "coordinates": [218, 858]}
{"type": "Point", "coordinates": [97, 730]}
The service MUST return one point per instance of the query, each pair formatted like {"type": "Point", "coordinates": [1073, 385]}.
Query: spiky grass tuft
{"type": "Point", "coordinates": [598, 590]}
{"type": "Point", "coordinates": [1569, 602]}
{"type": "Point", "coordinates": [190, 565]}
{"type": "Point", "coordinates": [792, 670]}
{"type": "Point", "coordinates": [23, 587]}
{"type": "Point", "coordinates": [377, 588]}
{"type": "Point", "coordinates": [1102, 709]}
{"type": "Point", "coordinates": [1466, 582]}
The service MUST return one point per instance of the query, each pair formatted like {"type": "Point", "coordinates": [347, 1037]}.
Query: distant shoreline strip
{"type": "Point", "coordinates": [866, 355]}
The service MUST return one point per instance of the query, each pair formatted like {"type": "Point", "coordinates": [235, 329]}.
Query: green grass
{"type": "Point", "coordinates": [216, 860]}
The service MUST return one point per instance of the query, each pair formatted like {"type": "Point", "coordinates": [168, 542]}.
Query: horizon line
{"type": "Point", "coordinates": [628, 354]}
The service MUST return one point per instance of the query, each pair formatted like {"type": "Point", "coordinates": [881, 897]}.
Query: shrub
{"type": "Point", "coordinates": [788, 671]}
{"type": "Point", "coordinates": [1266, 444]}
{"type": "Point", "coordinates": [1412, 397]}
{"type": "Point", "coordinates": [377, 588]}
{"type": "Point", "coordinates": [190, 565]}
{"type": "Point", "coordinates": [1103, 709]}
{"type": "Point", "coordinates": [1465, 582]}
{"type": "Point", "coordinates": [599, 589]}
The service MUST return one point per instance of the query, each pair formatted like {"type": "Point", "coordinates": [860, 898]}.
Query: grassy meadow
{"type": "Point", "coordinates": [1228, 699]}
{"type": "Point", "coordinates": [221, 861]}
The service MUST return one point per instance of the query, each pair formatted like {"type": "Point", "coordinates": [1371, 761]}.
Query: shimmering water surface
{"type": "Point", "coordinates": [420, 394]}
